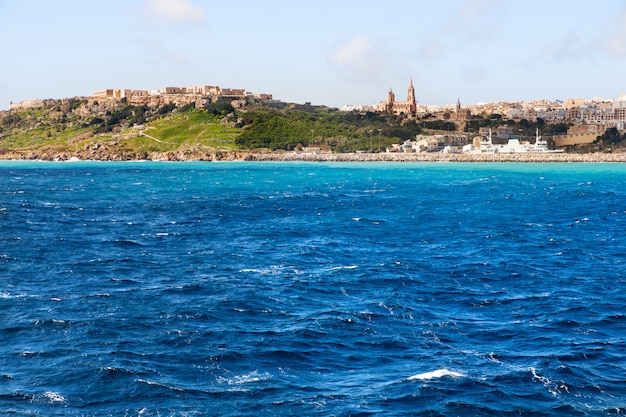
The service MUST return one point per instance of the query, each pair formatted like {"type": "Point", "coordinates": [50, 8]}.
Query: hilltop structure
{"type": "Point", "coordinates": [203, 90]}
{"type": "Point", "coordinates": [398, 107]}
{"type": "Point", "coordinates": [177, 95]}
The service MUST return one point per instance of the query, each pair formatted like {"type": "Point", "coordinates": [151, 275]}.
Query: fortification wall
{"type": "Point", "coordinates": [566, 140]}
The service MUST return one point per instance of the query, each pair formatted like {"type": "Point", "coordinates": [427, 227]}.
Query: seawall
{"type": "Point", "coordinates": [196, 155]}
{"type": "Point", "coordinates": [439, 157]}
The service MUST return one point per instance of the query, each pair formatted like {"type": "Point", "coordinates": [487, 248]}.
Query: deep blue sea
{"type": "Point", "coordinates": [293, 289]}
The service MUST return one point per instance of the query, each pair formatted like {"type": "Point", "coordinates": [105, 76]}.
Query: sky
{"type": "Point", "coordinates": [322, 52]}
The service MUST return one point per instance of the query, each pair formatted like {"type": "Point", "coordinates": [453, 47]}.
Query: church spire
{"type": "Point", "coordinates": [410, 98]}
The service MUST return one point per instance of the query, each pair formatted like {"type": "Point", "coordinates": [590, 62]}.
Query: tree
{"type": "Point", "coordinates": [610, 137]}
{"type": "Point", "coordinates": [540, 123]}
{"type": "Point", "coordinates": [219, 108]}
{"type": "Point", "coordinates": [557, 129]}
{"type": "Point", "coordinates": [167, 108]}
{"type": "Point", "coordinates": [11, 120]}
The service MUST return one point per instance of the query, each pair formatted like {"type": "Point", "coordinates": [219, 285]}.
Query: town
{"type": "Point", "coordinates": [588, 119]}
{"type": "Point", "coordinates": [585, 119]}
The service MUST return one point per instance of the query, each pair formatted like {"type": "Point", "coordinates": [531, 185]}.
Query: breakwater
{"type": "Point", "coordinates": [440, 157]}
{"type": "Point", "coordinates": [104, 154]}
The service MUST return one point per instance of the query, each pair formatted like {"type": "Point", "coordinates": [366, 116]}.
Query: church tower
{"type": "Point", "coordinates": [391, 99]}
{"type": "Point", "coordinates": [399, 107]}
{"type": "Point", "coordinates": [410, 98]}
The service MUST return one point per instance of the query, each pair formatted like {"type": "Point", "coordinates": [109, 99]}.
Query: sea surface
{"type": "Point", "coordinates": [293, 289]}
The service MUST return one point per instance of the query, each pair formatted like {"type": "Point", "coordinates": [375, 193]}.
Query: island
{"type": "Point", "coordinates": [208, 123]}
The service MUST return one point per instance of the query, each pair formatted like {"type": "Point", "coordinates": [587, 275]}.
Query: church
{"type": "Point", "coordinates": [398, 107]}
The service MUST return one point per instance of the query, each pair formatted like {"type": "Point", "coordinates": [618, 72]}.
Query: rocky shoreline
{"type": "Point", "coordinates": [104, 154]}
{"type": "Point", "coordinates": [440, 157]}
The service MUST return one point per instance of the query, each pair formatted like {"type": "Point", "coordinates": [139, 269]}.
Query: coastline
{"type": "Point", "coordinates": [441, 157]}
{"type": "Point", "coordinates": [196, 155]}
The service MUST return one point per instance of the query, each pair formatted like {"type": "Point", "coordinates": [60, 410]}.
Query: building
{"type": "Point", "coordinates": [27, 104]}
{"type": "Point", "coordinates": [170, 90]}
{"type": "Point", "coordinates": [198, 91]}
{"type": "Point", "coordinates": [398, 107]}
{"type": "Point", "coordinates": [462, 115]}
{"type": "Point", "coordinates": [103, 93]}
{"type": "Point", "coordinates": [233, 93]}
{"type": "Point", "coordinates": [205, 90]}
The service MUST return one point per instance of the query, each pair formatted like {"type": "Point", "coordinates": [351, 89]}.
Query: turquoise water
{"type": "Point", "coordinates": [246, 289]}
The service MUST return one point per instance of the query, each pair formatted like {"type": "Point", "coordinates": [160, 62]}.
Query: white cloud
{"type": "Point", "coordinates": [569, 48]}
{"type": "Point", "coordinates": [615, 44]}
{"type": "Point", "coordinates": [563, 51]}
{"type": "Point", "coordinates": [476, 18]}
{"type": "Point", "coordinates": [431, 51]}
{"type": "Point", "coordinates": [158, 53]}
{"type": "Point", "coordinates": [475, 73]}
{"type": "Point", "coordinates": [361, 58]}
{"type": "Point", "coordinates": [174, 11]}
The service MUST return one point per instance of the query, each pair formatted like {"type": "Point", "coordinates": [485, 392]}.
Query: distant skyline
{"type": "Point", "coordinates": [332, 53]}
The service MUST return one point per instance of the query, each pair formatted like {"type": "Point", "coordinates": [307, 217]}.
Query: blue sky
{"type": "Point", "coordinates": [324, 52]}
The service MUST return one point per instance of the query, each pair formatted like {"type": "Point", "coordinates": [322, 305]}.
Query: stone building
{"type": "Point", "coordinates": [398, 107]}
{"type": "Point", "coordinates": [461, 114]}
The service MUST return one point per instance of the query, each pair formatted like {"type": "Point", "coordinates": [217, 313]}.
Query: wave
{"type": "Point", "coordinates": [335, 268]}
{"type": "Point", "coordinates": [160, 385]}
{"type": "Point", "coordinates": [266, 271]}
{"type": "Point", "coordinates": [53, 397]}
{"type": "Point", "coordinates": [126, 242]}
{"type": "Point", "coordinates": [439, 373]}
{"type": "Point", "coordinates": [482, 300]}
{"type": "Point", "coordinates": [251, 377]}
{"type": "Point", "coordinates": [368, 220]}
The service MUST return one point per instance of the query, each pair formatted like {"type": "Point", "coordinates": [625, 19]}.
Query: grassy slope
{"type": "Point", "coordinates": [180, 131]}
{"type": "Point", "coordinates": [176, 131]}
{"type": "Point", "coordinates": [41, 136]}
{"type": "Point", "coordinates": [38, 130]}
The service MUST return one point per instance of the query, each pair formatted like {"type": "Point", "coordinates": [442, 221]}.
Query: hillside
{"type": "Point", "coordinates": [87, 128]}
{"type": "Point", "coordinates": [114, 129]}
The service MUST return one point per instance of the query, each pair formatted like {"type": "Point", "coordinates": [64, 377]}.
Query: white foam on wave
{"type": "Point", "coordinates": [4, 294]}
{"type": "Point", "coordinates": [542, 379]}
{"type": "Point", "coordinates": [334, 268]}
{"type": "Point", "coordinates": [494, 358]}
{"type": "Point", "coordinates": [251, 377]}
{"type": "Point", "coordinates": [160, 385]}
{"type": "Point", "coordinates": [554, 388]}
{"type": "Point", "coordinates": [54, 397]}
{"type": "Point", "coordinates": [439, 373]}
{"type": "Point", "coordinates": [269, 271]}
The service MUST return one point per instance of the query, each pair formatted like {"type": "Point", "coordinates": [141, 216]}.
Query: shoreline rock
{"type": "Point", "coordinates": [439, 157]}
{"type": "Point", "coordinates": [108, 154]}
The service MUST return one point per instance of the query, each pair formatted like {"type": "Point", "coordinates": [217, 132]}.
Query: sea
{"type": "Point", "coordinates": [312, 289]}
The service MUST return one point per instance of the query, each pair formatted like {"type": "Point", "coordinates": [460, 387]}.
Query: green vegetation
{"type": "Point", "coordinates": [610, 139]}
{"type": "Point", "coordinates": [32, 128]}
{"type": "Point", "coordinates": [523, 126]}
{"type": "Point", "coordinates": [182, 130]}
{"type": "Point", "coordinates": [112, 126]}
{"type": "Point", "coordinates": [137, 130]}
{"type": "Point", "coordinates": [339, 131]}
